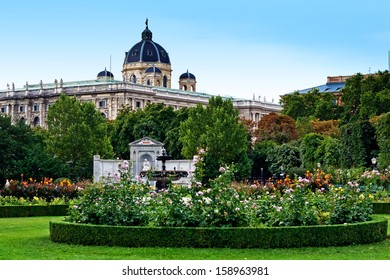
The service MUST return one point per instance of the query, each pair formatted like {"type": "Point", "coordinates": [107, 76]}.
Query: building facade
{"type": "Point", "coordinates": [146, 78]}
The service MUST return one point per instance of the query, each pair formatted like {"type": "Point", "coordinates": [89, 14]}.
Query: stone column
{"type": "Point", "coordinates": [97, 170]}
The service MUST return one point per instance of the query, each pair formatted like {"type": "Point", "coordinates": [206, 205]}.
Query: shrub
{"type": "Point", "coordinates": [33, 210]}
{"type": "Point", "coordinates": [308, 201]}
{"type": "Point", "coordinates": [285, 237]}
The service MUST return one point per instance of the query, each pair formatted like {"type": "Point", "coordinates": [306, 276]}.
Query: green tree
{"type": "Point", "coordinates": [359, 143]}
{"type": "Point", "coordinates": [365, 97]}
{"type": "Point", "coordinates": [312, 104]}
{"type": "Point", "coordinates": [157, 121]}
{"type": "Point", "coordinates": [382, 126]}
{"type": "Point", "coordinates": [329, 152]}
{"type": "Point", "coordinates": [259, 157]}
{"type": "Point", "coordinates": [122, 132]}
{"type": "Point", "coordinates": [172, 136]}
{"type": "Point", "coordinates": [216, 129]}
{"type": "Point", "coordinates": [282, 158]}
{"type": "Point", "coordinates": [76, 132]}
{"type": "Point", "coordinates": [14, 143]}
{"type": "Point", "coordinates": [309, 146]}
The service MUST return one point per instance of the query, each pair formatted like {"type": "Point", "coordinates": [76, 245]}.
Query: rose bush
{"type": "Point", "coordinates": [222, 204]}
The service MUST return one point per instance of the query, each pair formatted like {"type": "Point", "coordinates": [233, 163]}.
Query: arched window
{"type": "Point", "coordinates": [36, 121]}
{"type": "Point", "coordinates": [165, 81]}
{"type": "Point", "coordinates": [148, 82]}
{"type": "Point", "coordinates": [184, 87]}
{"type": "Point", "coordinates": [133, 79]}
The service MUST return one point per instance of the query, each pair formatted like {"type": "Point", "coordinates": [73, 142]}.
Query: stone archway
{"type": "Point", "coordinates": [145, 148]}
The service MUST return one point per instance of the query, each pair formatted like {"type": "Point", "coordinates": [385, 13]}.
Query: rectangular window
{"type": "Point", "coordinates": [36, 107]}
{"type": "Point", "coordinates": [22, 109]}
{"type": "Point", "coordinates": [102, 103]}
{"type": "Point", "coordinates": [138, 104]}
{"type": "Point", "coordinates": [4, 109]}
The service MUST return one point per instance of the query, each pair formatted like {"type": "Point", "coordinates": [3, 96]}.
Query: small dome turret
{"type": "Point", "coordinates": [105, 75]}
{"type": "Point", "coordinates": [187, 75]}
{"type": "Point", "coordinates": [187, 82]}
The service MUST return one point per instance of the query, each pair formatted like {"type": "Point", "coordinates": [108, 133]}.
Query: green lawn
{"type": "Point", "coordinates": [28, 239]}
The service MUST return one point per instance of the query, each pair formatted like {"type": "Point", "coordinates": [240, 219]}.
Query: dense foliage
{"type": "Point", "coordinates": [157, 121]}
{"type": "Point", "coordinates": [217, 130]}
{"type": "Point", "coordinates": [308, 201]}
{"type": "Point", "coordinates": [354, 129]}
{"type": "Point", "coordinates": [382, 126]}
{"type": "Point", "coordinates": [276, 127]}
{"type": "Point", "coordinates": [23, 153]}
{"type": "Point", "coordinates": [76, 132]}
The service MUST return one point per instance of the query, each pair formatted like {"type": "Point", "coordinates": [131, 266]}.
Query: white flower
{"type": "Point", "coordinates": [222, 170]}
{"type": "Point", "coordinates": [207, 200]}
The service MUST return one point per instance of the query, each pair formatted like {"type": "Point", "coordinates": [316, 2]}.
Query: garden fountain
{"type": "Point", "coordinates": [164, 177]}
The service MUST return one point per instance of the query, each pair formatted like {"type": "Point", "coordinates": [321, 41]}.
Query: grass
{"type": "Point", "coordinates": [28, 239]}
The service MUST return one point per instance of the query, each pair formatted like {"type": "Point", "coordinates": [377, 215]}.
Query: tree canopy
{"type": "Point", "coordinates": [76, 132]}
{"type": "Point", "coordinates": [157, 121]}
{"type": "Point", "coordinates": [218, 130]}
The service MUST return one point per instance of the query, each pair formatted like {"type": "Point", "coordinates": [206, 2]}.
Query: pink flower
{"type": "Point", "coordinates": [125, 165]}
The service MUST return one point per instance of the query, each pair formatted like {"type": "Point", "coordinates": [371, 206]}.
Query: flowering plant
{"type": "Point", "coordinates": [221, 203]}
{"type": "Point", "coordinates": [45, 189]}
{"type": "Point", "coordinates": [375, 180]}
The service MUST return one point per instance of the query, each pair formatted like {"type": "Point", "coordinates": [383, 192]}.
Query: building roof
{"type": "Point", "coordinates": [328, 87]}
{"type": "Point", "coordinates": [147, 50]}
{"type": "Point", "coordinates": [105, 73]}
{"type": "Point", "coordinates": [187, 75]}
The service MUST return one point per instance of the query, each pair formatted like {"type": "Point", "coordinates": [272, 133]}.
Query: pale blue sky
{"type": "Point", "coordinates": [234, 48]}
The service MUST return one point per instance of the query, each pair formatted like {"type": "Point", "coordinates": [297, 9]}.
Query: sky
{"type": "Point", "coordinates": [239, 48]}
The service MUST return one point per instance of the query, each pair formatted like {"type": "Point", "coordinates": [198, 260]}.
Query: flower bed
{"type": "Point", "coordinates": [45, 189]}
{"type": "Point", "coordinates": [267, 237]}
{"type": "Point", "coordinates": [129, 203]}
{"type": "Point", "coordinates": [292, 213]}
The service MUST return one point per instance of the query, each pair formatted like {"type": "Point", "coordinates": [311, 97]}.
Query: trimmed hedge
{"type": "Point", "coordinates": [381, 207]}
{"type": "Point", "coordinates": [33, 210]}
{"type": "Point", "coordinates": [272, 237]}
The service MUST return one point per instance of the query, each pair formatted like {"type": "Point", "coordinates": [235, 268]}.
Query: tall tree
{"type": "Point", "coordinates": [14, 143]}
{"type": "Point", "coordinates": [157, 121]}
{"type": "Point", "coordinates": [314, 104]}
{"type": "Point", "coordinates": [382, 126]}
{"type": "Point", "coordinates": [218, 130]}
{"type": "Point", "coordinates": [276, 127]}
{"type": "Point", "coordinates": [76, 132]}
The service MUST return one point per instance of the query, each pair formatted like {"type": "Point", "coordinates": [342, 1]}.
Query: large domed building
{"type": "Point", "coordinates": [147, 63]}
{"type": "Point", "coordinates": [146, 78]}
